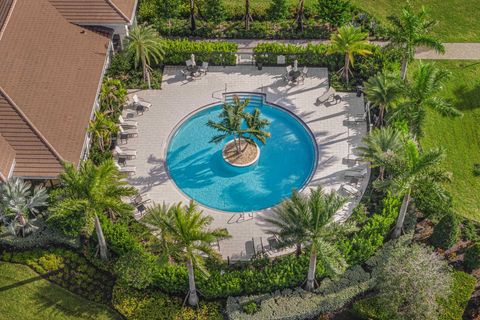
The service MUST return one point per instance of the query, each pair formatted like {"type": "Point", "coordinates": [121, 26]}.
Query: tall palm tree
{"type": "Point", "coordinates": [349, 41]}
{"type": "Point", "coordinates": [307, 219]}
{"type": "Point", "coordinates": [413, 170]}
{"type": "Point", "coordinates": [113, 95]}
{"type": "Point", "coordinates": [300, 15]}
{"type": "Point", "coordinates": [92, 191]}
{"type": "Point", "coordinates": [411, 30]}
{"type": "Point", "coordinates": [18, 201]}
{"type": "Point", "coordinates": [143, 42]}
{"type": "Point", "coordinates": [187, 229]}
{"type": "Point", "coordinates": [382, 90]}
{"type": "Point", "coordinates": [380, 145]}
{"type": "Point", "coordinates": [421, 93]}
{"type": "Point", "coordinates": [102, 128]}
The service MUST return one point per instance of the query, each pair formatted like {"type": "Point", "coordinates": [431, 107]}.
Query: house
{"type": "Point", "coordinates": [53, 55]}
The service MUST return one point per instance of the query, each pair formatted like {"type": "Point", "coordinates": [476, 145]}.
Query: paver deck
{"type": "Point", "coordinates": [336, 138]}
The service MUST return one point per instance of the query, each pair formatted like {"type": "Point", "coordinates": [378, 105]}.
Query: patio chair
{"type": "Point", "coordinates": [130, 170]}
{"type": "Point", "coordinates": [351, 190]}
{"type": "Point", "coordinates": [140, 198]}
{"type": "Point", "coordinates": [356, 173]}
{"type": "Point", "coordinates": [326, 96]}
{"type": "Point", "coordinates": [204, 67]}
{"type": "Point", "coordinates": [281, 59]}
{"type": "Point", "coordinates": [130, 132]}
{"type": "Point", "coordinates": [128, 154]}
{"type": "Point", "coordinates": [127, 123]}
{"type": "Point", "coordinates": [141, 105]}
{"type": "Point", "coordinates": [189, 63]}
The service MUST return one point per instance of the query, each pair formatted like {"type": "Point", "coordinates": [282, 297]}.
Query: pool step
{"type": "Point", "coordinates": [255, 100]}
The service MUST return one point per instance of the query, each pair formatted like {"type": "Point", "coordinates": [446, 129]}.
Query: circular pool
{"type": "Point", "coordinates": [198, 169]}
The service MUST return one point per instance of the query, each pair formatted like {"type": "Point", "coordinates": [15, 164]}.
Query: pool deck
{"type": "Point", "coordinates": [335, 135]}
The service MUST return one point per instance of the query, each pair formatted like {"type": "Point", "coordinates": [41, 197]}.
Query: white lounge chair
{"type": "Point", "coordinates": [281, 59]}
{"type": "Point", "coordinates": [131, 132]}
{"type": "Point", "coordinates": [129, 154]}
{"type": "Point", "coordinates": [351, 190]}
{"type": "Point", "coordinates": [130, 170]}
{"type": "Point", "coordinates": [327, 95]}
{"type": "Point", "coordinates": [141, 105]}
{"type": "Point", "coordinates": [127, 123]}
{"type": "Point", "coordinates": [355, 173]}
{"type": "Point", "coordinates": [189, 63]}
{"type": "Point", "coordinates": [204, 68]}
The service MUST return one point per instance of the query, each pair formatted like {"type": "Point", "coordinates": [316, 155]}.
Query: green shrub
{"type": "Point", "coordinates": [471, 260]}
{"type": "Point", "coordinates": [433, 206]}
{"type": "Point", "coordinates": [215, 53]}
{"type": "Point", "coordinates": [370, 309]}
{"type": "Point", "coordinates": [135, 269]}
{"type": "Point", "coordinates": [462, 289]}
{"type": "Point", "coordinates": [278, 10]}
{"type": "Point", "coordinates": [335, 12]}
{"type": "Point", "coordinates": [446, 232]}
{"type": "Point", "coordinates": [470, 231]}
{"type": "Point", "coordinates": [250, 307]}
{"type": "Point", "coordinates": [214, 10]}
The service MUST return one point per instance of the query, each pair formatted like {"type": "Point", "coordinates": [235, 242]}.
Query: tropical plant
{"type": "Point", "coordinates": [349, 41]}
{"type": "Point", "coordinates": [409, 31]}
{"type": "Point", "coordinates": [421, 93]}
{"type": "Point", "coordinates": [102, 128]}
{"type": "Point", "coordinates": [382, 90]}
{"type": "Point", "coordinates": [307, 219]}
{"type": "Point", "coordinates": [112, 96]}
{"type": "Point", "coordinates": [335, 12]}
{"type": "Point", "coordinates": [214, 10]}
{"type": "Point", "coordinates": [278, 9]}
{"type": "Point", "coordinates": [412, 170]}
{"type": "Point", "coordinates": [186, 229]}
{"type": "Point", "coordinates": [380, 145]}
{"type": "Point", "coordinates": [143, 42]}
{"type": "Point", "coordinates": [88, 192]}
{"type": "Point", "coordinates": [17, 202]}
{"type": "Point", "coordinates": [242, 125]}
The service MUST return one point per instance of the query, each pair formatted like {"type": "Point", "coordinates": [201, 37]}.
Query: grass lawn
{"type": "Point", "coordinates": [456, 19]}
{"type": "Point", "coordinates": [24, 295]}
{"type": "Point", "coordinates": [461, 136]}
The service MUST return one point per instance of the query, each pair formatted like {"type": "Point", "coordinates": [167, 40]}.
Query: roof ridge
{"type": "Point", "coordinates": [31, 125]}
{"type": "Point", "coordinates": [114, 6]}
{"type": "Point", "coordinates": [9, 14]}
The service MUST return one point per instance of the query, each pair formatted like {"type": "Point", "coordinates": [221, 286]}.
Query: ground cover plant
{"type": "Point", "coordinates": [26, 295]}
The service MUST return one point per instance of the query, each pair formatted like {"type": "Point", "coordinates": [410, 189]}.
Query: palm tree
{"type": "Point", "coordinates": [231, 124]}
{"type": "Point", "coordinates": [193, 24]}
{"type": "Point", "coordinates": [349, 41]}
{"type": "Point", "coordinates": [185, 227]}
{"type": "Point", "coordinates": [144, 44]}
{"type": "Point", "coordinates": [423, 93]}
{"type": "Point", "coordinates": [112, 96]}
{"type": "Point", "coordinates": [300, 15]}
{"type": "Point", "coordinates": [248, 17]}
{"type": "Point", "coordinates": [380, 145]}
{"type": "Point", "coordinates": [92, 191]}
{"type": "Point", "coordinates": [382, 90]}
{"type": "Point", "coordinates": [18, 201]}
{"type": "Point", "coordinates": [413, 170]}
{"type": "Point", "coordinates": [102, 128]}
{"type": "Point", "coordinates": [307, 219]}
{"type": "Point", "coordinates": [409, 31]}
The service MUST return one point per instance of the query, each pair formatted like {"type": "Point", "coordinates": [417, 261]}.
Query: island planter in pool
{"type": "Point", "coordinates": [243, 162]}
{"type": "Point", "coordinates": [197, 167]}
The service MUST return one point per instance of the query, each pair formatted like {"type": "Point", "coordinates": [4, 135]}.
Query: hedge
{"type": "Point", "coordinates": [446, 232]}
{"type": "Point", "coordinates": [218, 53]}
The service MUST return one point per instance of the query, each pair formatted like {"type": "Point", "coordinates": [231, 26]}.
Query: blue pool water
{"type": "Point", "coordinates": [198, 169]}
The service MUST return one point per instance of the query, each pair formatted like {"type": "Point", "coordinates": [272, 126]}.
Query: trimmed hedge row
{"type": "Point", "coordinates": [218, 53]}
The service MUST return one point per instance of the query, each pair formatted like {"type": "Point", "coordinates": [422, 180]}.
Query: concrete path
{"type": "Point", "coordinates": [453, 51]}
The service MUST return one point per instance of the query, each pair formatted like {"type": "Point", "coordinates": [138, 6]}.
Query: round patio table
{"type": "Point", "coordinates": [294, 75]}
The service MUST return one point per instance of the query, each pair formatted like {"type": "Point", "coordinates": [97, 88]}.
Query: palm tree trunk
{"type": "Point", "coordinates": [346, 68]}
{"type": "Point", "coordinates": [248, 16]}
{"type": "Point", "coordinates": [401, 216]}
{"type": "Point", "coordinates": [381, 175]}
{"type": "Point", "coordinates": [298, 250]}
{"type": "Point", "coordinates": [404, 68]}
{"type": "Point", "coordinates": [149, 81]}
{"type": "Point", "coordinates": [102, 244]}
{"type": "Point", "coordinates": [300, 13]}
{"type": "Point", "coordinates": [381, 115]}
{"type": "Point", "coordinates": [193, 25]}
{"type": "Point", "coordinates": [310, 285]}
{"type": "Point", "coordinates": [192, 293]}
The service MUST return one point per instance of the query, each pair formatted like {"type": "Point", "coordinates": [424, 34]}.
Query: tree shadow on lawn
{"type": "Point", "coordinates": [466, 98]}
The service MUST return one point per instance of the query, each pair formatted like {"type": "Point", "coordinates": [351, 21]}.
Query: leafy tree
{"type": "Point", "coordinates": [187, 230]}
{"type": "Point", "coordinates": [380, 145]}
{"type": "Point", "coordinates": [169, 8]}
{"type": "Point", "coordinates": [278, 9]}
{"type": "Point", "coordinates": [335, 12]}
{"type": "Point", "coordinates": [422, 93]}
{"type": "Point", "coordinates": [411, 282]}
{"type": "Point", "coordinates": [87, 192]}
{"type": "Point", "coordinates": [382, 90]}
{"type": "Point", "coordinates": [144, 44]}
{"type": "Point", "coordinates": [300, 15]}
{"type": "Point", "coordinates": [412, 170]}
{"type": "Point", "coordinates": [248, 16]}
{"type": "Point", "coordinates": [307, 219]}
{"type": "Point", "coordinates": [214, 10]}
{"type": "Point", "coordinates": [409, 31]}
{"type": "Point", "coordinates": [446, 232]}
{"type": "Point", "coordinates": [102, 128]}
{"type": "Point", "coordinates": [233, 117]}
{"type": "Point", "coordinates": [17, 202]}
{"type": "Point", "coordinates": [193, 22]}
{"type": "Point", "coordinates": [349, 41]}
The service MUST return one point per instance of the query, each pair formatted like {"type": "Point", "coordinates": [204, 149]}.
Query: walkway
{"type": "Point", "coordinates": [336, 138]}
{"type": "Point", "coordinates": [453, 51]}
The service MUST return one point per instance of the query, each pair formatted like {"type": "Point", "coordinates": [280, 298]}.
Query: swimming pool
{"type": "Point", "coordinates": [198, 169]}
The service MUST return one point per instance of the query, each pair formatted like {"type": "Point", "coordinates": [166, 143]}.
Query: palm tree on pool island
{"type": "Point", "coordinates": [185, 228]}
{"type": "Point", "coordinates": [307, 219]}
{"type": "Point", "coordinates": [242, 126]}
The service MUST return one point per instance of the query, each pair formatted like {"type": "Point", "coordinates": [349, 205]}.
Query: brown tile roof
{"type": "Point", "coordinates": [34, 157]}
{"type": "Point", "coordinates": [51, 69]}
{"type": "Point", "coordinates": [7, 158]}
{"type": "Point", "coordinates": [96, 11]}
